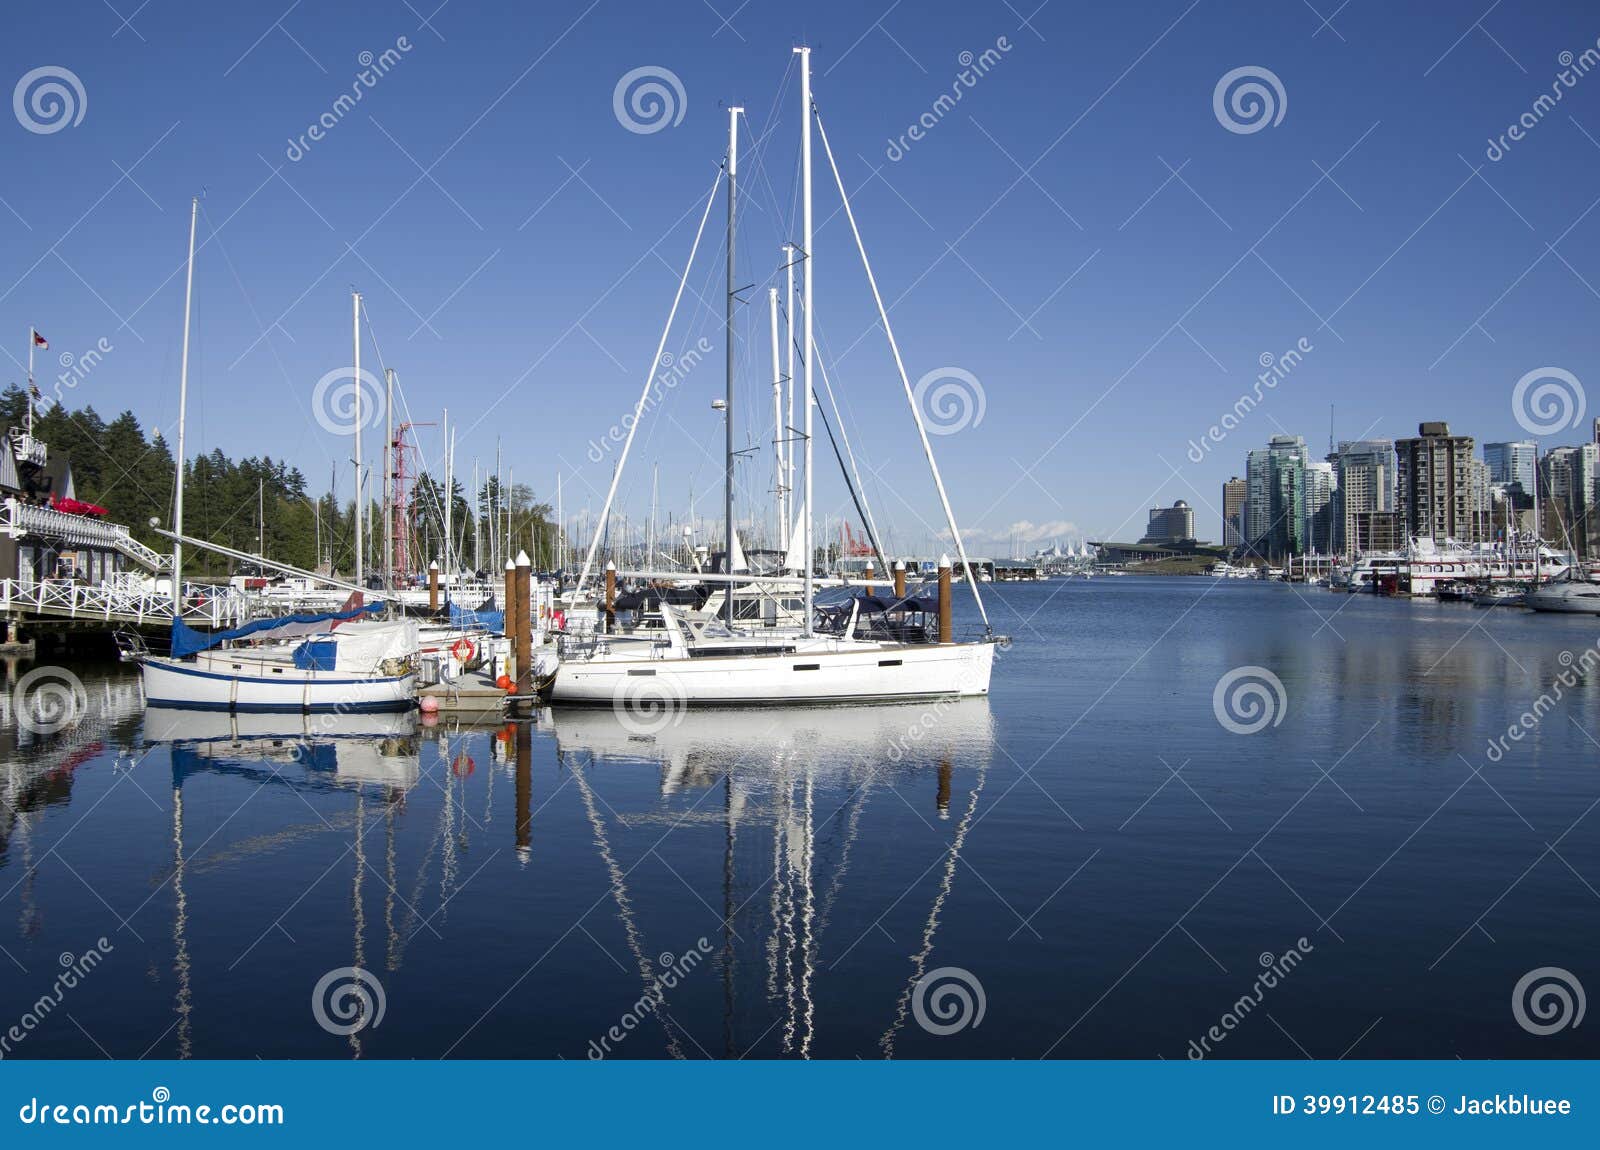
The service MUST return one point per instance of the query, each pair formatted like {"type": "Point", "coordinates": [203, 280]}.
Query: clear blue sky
{"type": "Point", "coordinates": [1036, 237]}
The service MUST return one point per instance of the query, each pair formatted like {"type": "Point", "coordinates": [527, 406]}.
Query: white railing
{"type": "Point", "coordinates": [114, 603]}
{"type": "Point", "coordinates": [17, 518]}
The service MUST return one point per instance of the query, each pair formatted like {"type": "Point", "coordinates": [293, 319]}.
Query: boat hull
{"type": "Point", "coordinates": [866, 674]}
{"type": "Point", "coordinates": [289, 689]}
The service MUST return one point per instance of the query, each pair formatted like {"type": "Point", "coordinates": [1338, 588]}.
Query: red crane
{"type": "Point", "coordinates": [853, 547]}
{"type": "Point", "coordinates": [400, 480]}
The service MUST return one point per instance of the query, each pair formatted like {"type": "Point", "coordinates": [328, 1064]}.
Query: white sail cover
{"type": "Point", "coordinates": [363, 647]}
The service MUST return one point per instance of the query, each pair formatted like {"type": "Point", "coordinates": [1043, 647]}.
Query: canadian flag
{"type": "Point", "coordinates": [40, 341]}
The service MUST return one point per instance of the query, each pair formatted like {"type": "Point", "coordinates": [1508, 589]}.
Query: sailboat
{"type": "Point", "coordinates": [331, 661]}
{"type": "Point", "coordinates": [865, 650]}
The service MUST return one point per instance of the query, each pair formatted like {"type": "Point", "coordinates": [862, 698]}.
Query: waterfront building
{"type": "Point", "coordinates": [1170, 524]}
{"type": "Point", "coordinates": [1320, 484]}
{"type": "Point", "coordinates": [1569, 485]}
{"type": "Point", "coordinates": [47, 535]}
{"type": "Point", "coordinates": [1376, 531]}
{"type": "Point", "coordinates": [1235, 493]}
{"type": "Point", "coordinates": [1364, 476]}
{"type": "Point", "coordinates": [1438, 489]}
{"type": "Point", "coordinates": [1275, 522]}
{"type": "Point", "coordinates": [1512, 462]}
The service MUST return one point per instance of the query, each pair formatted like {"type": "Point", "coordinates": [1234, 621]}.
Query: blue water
{"type": "Point", "coordinates": [1090, 846]}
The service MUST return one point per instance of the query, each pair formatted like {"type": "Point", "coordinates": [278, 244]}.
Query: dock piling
{"type": "Point", "coordinates": [524, 642]}
{"type": "Point", "coordinates": [944, 599]}
{"type": "Point", "coordinates": [899, 579]}
{"type": "Point", "coordinates": [511, 615]}
{"type": "Point", "coordinates": [611, 594]}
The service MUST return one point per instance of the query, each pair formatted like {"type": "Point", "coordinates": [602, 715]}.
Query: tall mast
{"type": "Point", "coordinates": [449, 494]}
{"type": "Point", "coordinates": [777, 420]}
{"type": "Point", "coordinates": [388, 478]}
{"type": "Point", "coordinates": [355, 338]}
{"type": "Point", "coordinates": [650, 540]}
{"type": "Point", "coordinates": [806, 242]}
{"type": "Point", "coordinates": [477, 519]}
{"type": "Point", "coordinates": [727, 414]}
{"type": "Point", "coordinates": [183, 407]}
{"type": "Point", "coordinates": [788, 375]}
{"type": "Point", "coordinates": [561, 529]}
{"type": "Point", "coordinates": [261, 517]}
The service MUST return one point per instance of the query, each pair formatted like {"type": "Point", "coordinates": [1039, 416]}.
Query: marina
{"type": "Point", "coordinates": [1025, 547]}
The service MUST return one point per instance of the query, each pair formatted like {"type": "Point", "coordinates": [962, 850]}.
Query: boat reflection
{"type": "Point", "coordinates": [786, 777]}
{"type": "Point", "coordinates": [313, 752]}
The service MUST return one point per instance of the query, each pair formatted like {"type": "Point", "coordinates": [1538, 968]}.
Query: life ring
{"type": "Point", "coordinates": [558, 620]}
{"type": "Point", "coordinates": [463, 765]}
{"type": "Point", "coordinates": [463, 650]}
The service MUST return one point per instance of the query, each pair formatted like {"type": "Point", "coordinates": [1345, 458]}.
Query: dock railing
{"type": "Point", "coordinates": [120, 602]}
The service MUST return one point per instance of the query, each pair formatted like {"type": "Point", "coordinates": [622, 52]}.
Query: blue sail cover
{"type": "Point", "coordinates": [465, 618]}
{"type": "Point", "coordinates": [187, 641]}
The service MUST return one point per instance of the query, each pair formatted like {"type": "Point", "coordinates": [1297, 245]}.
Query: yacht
{"type": "Point", "coordinates": [1570, 597]}
{"type": "Point", "coordinates": [869, 650]}
{"type": "Point", "coordinates": [298, 663]}
{"type": "Point", "coordinates": [865, 650]}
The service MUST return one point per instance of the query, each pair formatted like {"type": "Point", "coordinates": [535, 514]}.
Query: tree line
{"type": "Point", "coordinates": [264, 504]}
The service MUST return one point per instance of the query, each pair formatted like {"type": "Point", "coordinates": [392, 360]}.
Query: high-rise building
{"type": "Point", "coordinates": [1511, 462]}
{"type": "Point", "coordinates": [1364, 472]}
{"type": "Point", "coordinates": [1275, 521]}
{"type": "Point", "coordinates": [1320, 484]}
{"type": "Point", "coordinates": [1170, 524]}
{"type": "Point", "coordinates": [1438, 489]}
{"type": "Point", "coordinates": [1569, 485]}
{"type": "Point", "coordinates": [1235, 493]}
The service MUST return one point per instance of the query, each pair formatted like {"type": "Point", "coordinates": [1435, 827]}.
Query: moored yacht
{"type": "Point", "coordinates": [867, 650]}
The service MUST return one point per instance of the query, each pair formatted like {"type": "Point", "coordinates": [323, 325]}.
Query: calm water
{"type": "Point", "coordinates": [1091, 846]}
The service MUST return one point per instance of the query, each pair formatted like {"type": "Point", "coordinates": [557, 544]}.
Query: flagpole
{"type": "Point", "coordinates": [32, 335]}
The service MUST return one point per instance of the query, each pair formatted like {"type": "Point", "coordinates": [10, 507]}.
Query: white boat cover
{"type": "Point", "coordinates": [363, 647]}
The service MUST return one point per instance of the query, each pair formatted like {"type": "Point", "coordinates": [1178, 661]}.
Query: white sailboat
{"type": "Point", "coordinates": [332, 662]}
{"type": "Point", "coordinates": [866, 651]}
